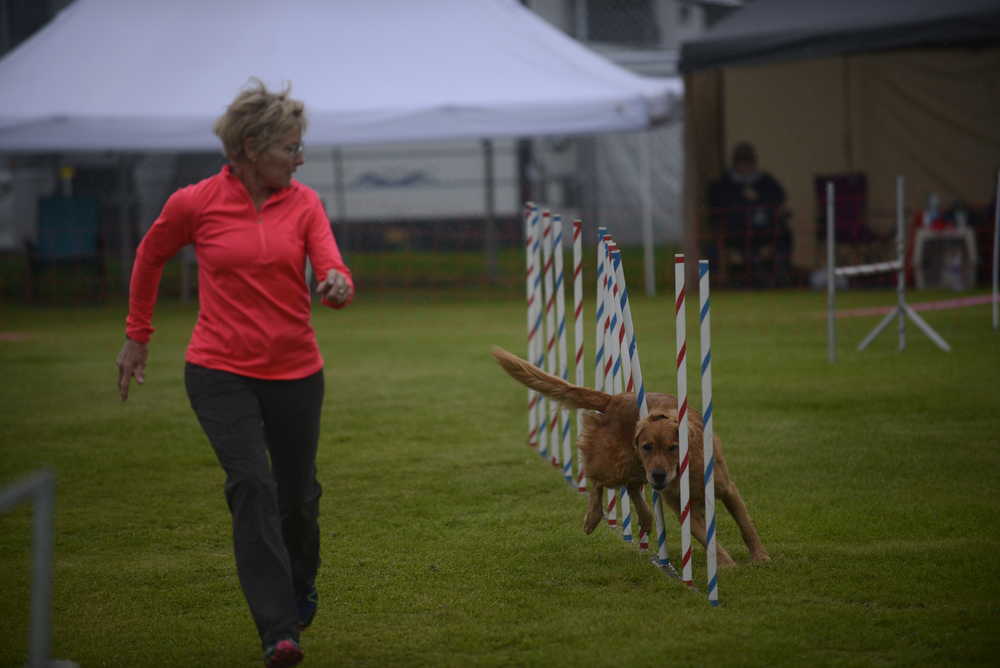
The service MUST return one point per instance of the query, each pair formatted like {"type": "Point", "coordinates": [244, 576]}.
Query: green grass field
{"type": "Point", "coordinates": [447, 542]}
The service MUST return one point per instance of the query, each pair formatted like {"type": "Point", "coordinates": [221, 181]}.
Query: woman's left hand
{"type": "Point", "coordinates": [335, 288]}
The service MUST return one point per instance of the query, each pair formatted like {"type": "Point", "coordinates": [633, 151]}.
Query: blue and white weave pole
{"type": "Point", "coordinates": [634, 378]}
{"type": "Point", "coordinates": [610, 360]}
{"type": "Point", "coordinates": [600, 310]}
{"type": "Point", "coordinates": [530, 225]}
{"type": "Point", "coordinates": [561, 457]}
{"type": "Point", "coordinates": [602, 281]}
{"type": "Point", "coordinates": [711, 557]}
{"type": "Point", "coordinates": [662, 558]}
{"type": "Point", "coordinates": [623, 371]}
{"type": "Point", "coordinates": [550, 331]}
{"type": "Point", "coordinates": [620, 335]}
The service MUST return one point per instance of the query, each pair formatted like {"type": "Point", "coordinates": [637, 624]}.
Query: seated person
{"type": "Point", "coordinates": [748, 209]}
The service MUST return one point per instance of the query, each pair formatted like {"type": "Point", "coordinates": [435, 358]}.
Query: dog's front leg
{"type": "Point", "coordinates": [737, 508]}
{"type": "Point", "coordinates": [595, 508]}
{"type": "Point", "coordinates": [642, 510]}
{"type": "Point", "coordinates": [701, 534]}
{"type": "Point", "coordinates": [673, 498]}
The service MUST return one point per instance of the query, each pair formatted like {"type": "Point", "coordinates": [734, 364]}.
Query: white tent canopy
{"type": "Point", "coordinates": [140, 76]}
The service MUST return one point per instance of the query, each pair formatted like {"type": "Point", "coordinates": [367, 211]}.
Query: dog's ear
{"type": "Point", "coordinates": [640, 427]}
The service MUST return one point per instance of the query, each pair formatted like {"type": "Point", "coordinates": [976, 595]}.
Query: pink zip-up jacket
{"type": "Point", "coordinates": [254, 304]}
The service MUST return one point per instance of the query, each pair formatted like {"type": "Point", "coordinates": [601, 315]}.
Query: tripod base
{"type": "Point", "coordinates": [898, 312]}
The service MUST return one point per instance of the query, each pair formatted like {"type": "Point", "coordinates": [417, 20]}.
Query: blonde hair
{"type": "Point", "coordinates": [258, 114]}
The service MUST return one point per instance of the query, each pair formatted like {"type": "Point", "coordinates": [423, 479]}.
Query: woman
{"type": "Point", "coordinates": [254, 373]}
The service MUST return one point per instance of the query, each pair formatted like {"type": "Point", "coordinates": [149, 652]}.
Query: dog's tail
{"type": "Point", "coordinates": [571, 396]}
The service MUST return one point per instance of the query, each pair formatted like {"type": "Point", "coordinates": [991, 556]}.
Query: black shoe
{"type": "Point", "coordinates": [307, 608]}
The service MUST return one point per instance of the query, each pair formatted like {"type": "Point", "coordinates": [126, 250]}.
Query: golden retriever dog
{"type": "Point", "coordinates": [619, 450]}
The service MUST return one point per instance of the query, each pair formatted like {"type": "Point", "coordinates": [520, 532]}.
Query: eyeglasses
{"type": "Point", "coordinates": [294, 150]}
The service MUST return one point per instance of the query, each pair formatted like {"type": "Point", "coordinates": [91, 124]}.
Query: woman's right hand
{"type": "Point", "coordinates": [131, 362]}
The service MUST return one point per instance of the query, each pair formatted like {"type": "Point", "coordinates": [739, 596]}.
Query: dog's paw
{"type": "Point", "coordinates": [760, 557]}
{"type": "Point", "coordinates": [590, 522]}
{"type": "Point", "coordinates": [723, 557]}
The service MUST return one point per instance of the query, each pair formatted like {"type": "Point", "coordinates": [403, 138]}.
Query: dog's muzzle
{"type": "Point", "coordinates": [658, 478]}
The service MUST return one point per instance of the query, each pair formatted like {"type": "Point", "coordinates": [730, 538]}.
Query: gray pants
{"type": "Point", "coordinates": [265, 435]}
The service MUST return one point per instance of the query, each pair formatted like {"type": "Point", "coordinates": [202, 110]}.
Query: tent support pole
{"type": "Point", "coordinates": [646, 188]}
{"type": "Point", "coordinates": [490, 233]}
{"type": "Point", "coordinates": [127, 249]}
{"type": "Point", "coordinates": [340, 200]}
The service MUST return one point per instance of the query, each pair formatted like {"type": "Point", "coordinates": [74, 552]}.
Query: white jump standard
{"type": "Point", "coordinates": [902, 309]}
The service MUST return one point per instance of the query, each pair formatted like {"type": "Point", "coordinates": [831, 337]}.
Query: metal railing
{"type": "Point", "coordinates": [38, 488]}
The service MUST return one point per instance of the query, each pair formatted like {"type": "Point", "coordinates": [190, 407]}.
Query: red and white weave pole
{"type": "Point", "coordinates": [682, 419]}
{"type": "Point", "coordinates": [581, 474]}
{"type": "Point", "coordinates": [541, 406]}
{"type": "Point", "coordinates": [564, 457]}
{"type": "Point", "coordinates": [544, 408]}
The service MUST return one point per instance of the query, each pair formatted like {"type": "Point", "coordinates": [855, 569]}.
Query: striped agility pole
{"type": "Point", "coordinates": [618, 335]}
{"type": "Point", "coordinates": [623, 371]}
{"type": "Point", "coordinates": [600, 310]}
{"type": "Point", "coordinates": [662, 559]}
{"type": "Point", "coordinates": [682, 419]}
{"type": "Point", "coordinates": [607, 330]}
{"type": "Point", "coordinates": [611, 507]}
{"type": "Point", "coordinates": [550, 331]}
{"type": "Point", "coordinates": [560, 288]}
{"type": "Point", "coordinates": [581, 475]}
{"type": "Point", "coordinates": [635, 383]}
{"type": "Point", "coordinates": [530, 223]}
{"type": "Point", "coordinates": [539, 359]}
{"type": "Point", "coordinates": [539, 352]}
{"type": "Point", "coordinates": [708, 449]}
{"type": "Point", "coordinates": [602, 284]}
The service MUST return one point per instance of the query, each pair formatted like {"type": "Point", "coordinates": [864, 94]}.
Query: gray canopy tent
{"type": "Point", "coordinates": [889, 87]}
